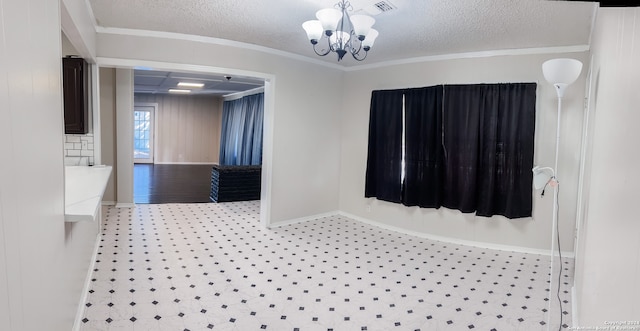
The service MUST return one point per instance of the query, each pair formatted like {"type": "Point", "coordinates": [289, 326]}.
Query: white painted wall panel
{"type": "Point", "coordinates": [31, 103]}
{"type": "Point", "coordinates": [6, 146]}
{"type": "Point", "coordinates": [45, 262]}
{"type": "Point", "coordinates": [5, 322]}
{"type": "Point", "coordinates": [609, 269]}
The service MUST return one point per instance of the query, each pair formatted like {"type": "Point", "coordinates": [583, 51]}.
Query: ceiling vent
{"type": "Point", "coordinates": [379, 7]}
{"type": "Point", "coordinates": [384, 6]}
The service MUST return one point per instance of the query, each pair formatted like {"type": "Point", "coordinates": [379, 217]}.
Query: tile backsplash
{"type": "Point", "coordinates": [78, 149]}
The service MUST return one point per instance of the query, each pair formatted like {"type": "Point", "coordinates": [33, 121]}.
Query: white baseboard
{"type": "Point", "coordinates": [302, 219]}
{"type": "Point", "coordinates": [87, 284]}
{"type": "Point", "coordinates": [451, 240]}
{"type": "Point", "coordinates": [125, 205]}
{"type": "Point", "coordinates": [479, 244]}
{"type": "Point", "coordinates": [448, 239]}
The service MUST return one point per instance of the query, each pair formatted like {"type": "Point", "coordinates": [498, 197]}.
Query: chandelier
{"type": "Point", "coordinates": [342, 33]}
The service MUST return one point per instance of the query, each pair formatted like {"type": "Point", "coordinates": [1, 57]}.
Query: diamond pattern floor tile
{"type": "Point", "coordinates": [213, 267]}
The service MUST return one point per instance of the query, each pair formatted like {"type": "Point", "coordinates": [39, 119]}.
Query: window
{"type": "Point", "coordinates": [466, 147]}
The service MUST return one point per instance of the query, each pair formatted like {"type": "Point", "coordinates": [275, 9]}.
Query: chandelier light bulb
{"type": "Point", "coordinates": [368, 41]}
{"type": "Point", "coordinates": [313, 29]}
{"type": "Point", "coordinates": [329, 18]}
{"type": "Point", "coordinates": [361, 25]}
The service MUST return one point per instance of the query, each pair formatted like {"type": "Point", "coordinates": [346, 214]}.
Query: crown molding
{"type": "Point", "coordinates": [272, 51]}
{"type": "Point", "coordinates": [214, 41]}
{"type": "Point", "coordinates": [471, 55]}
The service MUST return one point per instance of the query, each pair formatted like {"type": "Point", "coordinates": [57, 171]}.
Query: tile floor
{"type": "Point", "coordinates": [213, 267]}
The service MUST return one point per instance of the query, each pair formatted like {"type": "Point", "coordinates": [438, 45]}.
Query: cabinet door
{"type": "Point", "coordinates": [74, 87]}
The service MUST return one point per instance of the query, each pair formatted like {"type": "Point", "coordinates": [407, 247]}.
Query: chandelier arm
{"type": "Point", "coordinates": [358, 53]}
{"type": "Point", "coordinates": [353, 50]}
{"type": "Point", "coordinates": [328, 50]}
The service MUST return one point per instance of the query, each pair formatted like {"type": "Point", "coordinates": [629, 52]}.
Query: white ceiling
{"type": "Point", "coordinates": [415, 28]}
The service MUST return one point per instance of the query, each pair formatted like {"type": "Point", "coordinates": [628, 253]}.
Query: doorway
{"type": "Point", "coordinates": [124, 180]}
{"type": "Point", "coordinates": [143, 133]}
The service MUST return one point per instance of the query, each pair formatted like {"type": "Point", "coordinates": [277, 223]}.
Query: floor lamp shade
{"type": "Point", "coordinates": [542, 176]}
{"type": "Point", "coordinates": [561, 72]}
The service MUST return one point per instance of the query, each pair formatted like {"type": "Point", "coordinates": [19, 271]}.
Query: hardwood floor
{"type": "Point", "coordinates": [170, 183]}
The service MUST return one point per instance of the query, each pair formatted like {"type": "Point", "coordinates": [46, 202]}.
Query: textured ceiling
{"type": "Point", "coordinates": [415, 28]}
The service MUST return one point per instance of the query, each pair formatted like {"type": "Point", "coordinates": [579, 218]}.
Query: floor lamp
{"type": "Point", "coordinates": [561, 73]}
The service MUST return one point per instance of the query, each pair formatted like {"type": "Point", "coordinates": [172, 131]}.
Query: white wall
{"type": "Point", "coordinates": [124, 136]}
{"type": "Point", "coordinates": [67, 47]}
{"type": "Point", "coordinates": [44, 259]}
{"type": "Point", "coordinates": [108, 129]}
{"type": "Point", "coordinates": [306, 107]}
{"type": "Point", "coordinates": [77, 23]}
{"type": "Point", "coordinates": [608, 254]}
{"type": "Point", "coordinates": [188, 127]}
{"type": "Point", "coordinates": [533, 233]}
{"type": "Point", "coordinates": [5, 313]}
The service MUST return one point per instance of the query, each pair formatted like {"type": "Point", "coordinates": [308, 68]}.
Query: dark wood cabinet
{"type": "Point", "coordinates": [75, 95]}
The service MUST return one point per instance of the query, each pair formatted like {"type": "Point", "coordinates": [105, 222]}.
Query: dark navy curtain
{"type": "Point", "coordinates": [489, 142]}
{"type": "Point", "coordinates": [241, 135]}
{"type": "Point", "coordinates": [467, 147]}
{"type": "Point", "coordinates": [422, 185]}
{"type": "Point", "coordinates": [384, 162]}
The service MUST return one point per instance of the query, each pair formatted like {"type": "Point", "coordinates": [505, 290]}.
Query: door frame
{"type": "Point", "coordinates": [154, 123]}
{"type": "Point", "coordinates": [269, 119]}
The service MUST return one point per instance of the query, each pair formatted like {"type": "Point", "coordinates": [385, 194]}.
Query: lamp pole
{"type": "Point", "coordinates": [561, 73]}
{"type": "Point", "coordinates": [554, 226]}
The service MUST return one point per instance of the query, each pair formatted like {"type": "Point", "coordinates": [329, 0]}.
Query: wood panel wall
{"type": "Point", "coordinates": [188, 127]}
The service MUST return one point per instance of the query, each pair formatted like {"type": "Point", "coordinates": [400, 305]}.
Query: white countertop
{"type": "Point", "coordinates": [84, 187]}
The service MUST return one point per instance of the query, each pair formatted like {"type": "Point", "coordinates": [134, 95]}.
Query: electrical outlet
{"type": "Point", "coordinates": [84, 144]}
